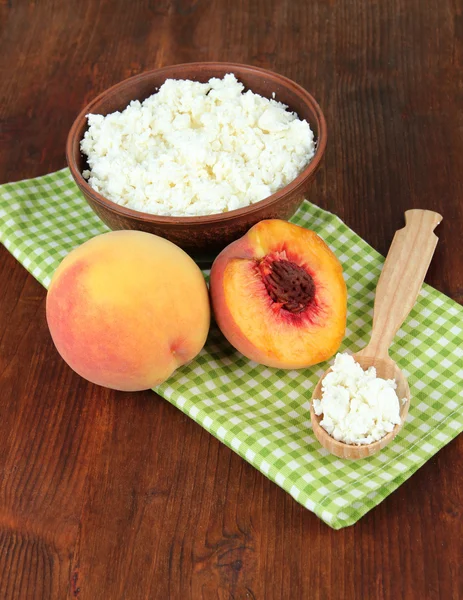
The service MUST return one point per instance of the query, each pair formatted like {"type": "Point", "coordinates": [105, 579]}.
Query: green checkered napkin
{"type": "Point", "coordinates": [263, 413]}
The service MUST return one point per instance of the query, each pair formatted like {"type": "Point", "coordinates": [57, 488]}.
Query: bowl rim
{"type": "Point", "coordinates": [106, 203]}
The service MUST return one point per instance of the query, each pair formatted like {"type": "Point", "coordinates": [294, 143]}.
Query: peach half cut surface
{"type": "Point", "coordinates": [279, 296]}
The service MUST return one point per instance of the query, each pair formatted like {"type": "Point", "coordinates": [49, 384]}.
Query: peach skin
{"type": "Point", "coordinates": [279, 296]}
{"type": "Point", "coordinates": [126, 308]}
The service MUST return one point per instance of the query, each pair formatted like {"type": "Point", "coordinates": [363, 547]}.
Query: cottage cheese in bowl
{"type": "Point", "coordinates": [196, 149]}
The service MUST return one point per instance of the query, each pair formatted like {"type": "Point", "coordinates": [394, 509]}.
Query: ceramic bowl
{"type": "Point", "coordinates": [202, 237]}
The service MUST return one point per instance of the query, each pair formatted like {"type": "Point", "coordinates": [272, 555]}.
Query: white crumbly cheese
{"type": "Point", "coordinates": [357, 406]}
{"type": "Point", "coordinates": [196, 149]}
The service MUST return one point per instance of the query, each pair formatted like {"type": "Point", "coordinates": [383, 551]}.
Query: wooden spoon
{"type": "Point", "coordinates": [398, 287]}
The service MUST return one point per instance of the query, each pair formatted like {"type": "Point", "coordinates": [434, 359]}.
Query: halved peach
{"type": "Point", "coordinates": [279, 296]}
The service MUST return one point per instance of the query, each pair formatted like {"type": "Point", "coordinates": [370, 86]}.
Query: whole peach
{"type": "Point", "coordinates": [127, 308]}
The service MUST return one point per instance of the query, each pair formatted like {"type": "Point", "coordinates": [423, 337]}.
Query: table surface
{"type": "Point", "coordinates": [121, 496]}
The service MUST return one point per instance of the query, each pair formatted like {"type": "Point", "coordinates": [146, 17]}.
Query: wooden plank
{"type": "Point", "coordinates": [121, 496]}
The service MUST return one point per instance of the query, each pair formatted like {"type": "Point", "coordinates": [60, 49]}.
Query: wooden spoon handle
{"type": "Point", "coordinates": [402, 277]}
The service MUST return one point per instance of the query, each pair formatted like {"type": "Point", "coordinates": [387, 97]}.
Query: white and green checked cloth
{"type": "Point", "coordinates": [263, 413]}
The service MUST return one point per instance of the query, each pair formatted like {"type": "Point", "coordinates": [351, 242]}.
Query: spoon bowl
{"type": "Point", "coordinates": [386, 368]}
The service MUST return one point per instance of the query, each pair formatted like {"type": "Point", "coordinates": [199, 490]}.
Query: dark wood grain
{"type": "Point", "coordinates": [120, 496]}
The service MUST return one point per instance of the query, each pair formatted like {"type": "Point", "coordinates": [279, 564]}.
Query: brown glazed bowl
{"type": "Point", "coordinates": [202, 237]}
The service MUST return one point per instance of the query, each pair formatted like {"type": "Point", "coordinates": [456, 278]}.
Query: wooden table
{"type": "Point", "coordinates": [120, 496]}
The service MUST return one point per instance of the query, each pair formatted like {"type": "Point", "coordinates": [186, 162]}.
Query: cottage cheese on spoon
{"type": "Point", "coordinates": [357, 406]}
{"type": "Point", "coordinates": [196, 149]}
